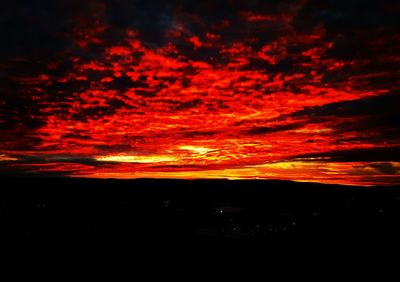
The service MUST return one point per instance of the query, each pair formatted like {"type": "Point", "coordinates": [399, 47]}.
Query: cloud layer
{"type": "Point", "coordinates": [297, 90]}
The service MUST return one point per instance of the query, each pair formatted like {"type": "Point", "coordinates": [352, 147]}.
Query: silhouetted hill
{"type": "Point", "coordinates": [131, 212]}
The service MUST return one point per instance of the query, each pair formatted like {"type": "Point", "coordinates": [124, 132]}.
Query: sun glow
{"type": "Point", "coordinates": [135, 159]}
{"type": "Point", "coordinates": [196, 149]}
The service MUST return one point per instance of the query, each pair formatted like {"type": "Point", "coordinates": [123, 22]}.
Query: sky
{"type": "Point", "coordinates": [294, 90]}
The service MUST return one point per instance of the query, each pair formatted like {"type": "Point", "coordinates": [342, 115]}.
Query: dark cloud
{"type": "Point", "coordinates": [375, 114]}
{"type": "Point", "coordinates": [18, 140]}
{"type": "Point", "coordinates": [123, 83]}
{"type": "Point", "coordinates": [23, 159]}
{"type": "Point", "coordinates": [188, 105]}
{"type": "Point", "coordinates": [385, 168]}
{"type": "Point", "coordinates": [341, 16]}
{"type": "Point", "coordinates": [195, 167]}
{"type": "Point", "coordinates": [376, 106]}
{"type": "Point", "coordinates": [274, 129]}
{"type": "Point", "coordinates": [194, 134]}
{"type": "Point", "coordinates": [357, 155]}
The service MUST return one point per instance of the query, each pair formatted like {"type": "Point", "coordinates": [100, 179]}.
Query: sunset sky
{"type": "Point", "coordinates": [295, 90]}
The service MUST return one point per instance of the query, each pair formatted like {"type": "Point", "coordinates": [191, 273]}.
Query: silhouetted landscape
{"type": "Point", "coordinates": [130, 212]}
{"type": "Point", "coordinates": [126, 125]}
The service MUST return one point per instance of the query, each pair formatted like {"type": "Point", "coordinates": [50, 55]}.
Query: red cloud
{"type": "Point", "coordinates": [152, 105]}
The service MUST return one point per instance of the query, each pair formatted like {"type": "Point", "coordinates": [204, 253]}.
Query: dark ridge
{"type": "Point", "coordinates": [131, 213]}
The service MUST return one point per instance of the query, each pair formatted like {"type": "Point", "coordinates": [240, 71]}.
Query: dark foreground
{"type": "Point", "coordinates": [136, 213]}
